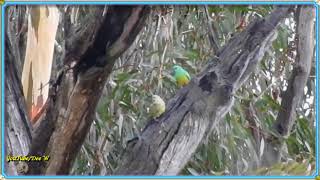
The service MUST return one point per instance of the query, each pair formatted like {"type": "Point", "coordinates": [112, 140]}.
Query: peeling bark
{"type": "Point", "coordinates": [166, 145]}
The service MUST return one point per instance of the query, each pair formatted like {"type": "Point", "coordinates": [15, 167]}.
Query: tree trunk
{"type": "Point", "coordinates": [17, 126]}
{"type": "Point", "coordinates": [91, 51]}
{"type": "Point", "coordinates": [81, 86]}
{"type": "Point", "coordinates": [166, 145]}
{"type": "Point", "coordinates": [16, 29]}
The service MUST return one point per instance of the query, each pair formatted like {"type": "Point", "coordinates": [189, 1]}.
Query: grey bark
{"type": "Point", "coordinates": [165, 146]}
{"type": "Point", "coordinates": [17, 126]}
{"type": "Point", "coordinates": [305, 16]}
{"type": "Point", "coordinates": [17, 25]}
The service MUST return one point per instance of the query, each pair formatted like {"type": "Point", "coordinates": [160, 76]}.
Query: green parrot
{"type": "Point", "coordinates": [181, 76]}
{"type": "Point", "coordinates": [157, 106]}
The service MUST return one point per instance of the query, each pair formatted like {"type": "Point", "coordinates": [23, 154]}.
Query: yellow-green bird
{"type": "Point", "coordinates": [157, 107]}
{"type": "Point", "coordinates": [181, 76]}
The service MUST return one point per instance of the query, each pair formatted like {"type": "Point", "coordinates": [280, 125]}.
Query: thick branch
{"type": "Point", "coordinates": [80, 38]}
{"type": "Point", "coordinates": [301, 70]}
{"type": "Point", "coordinates": [166, 145]}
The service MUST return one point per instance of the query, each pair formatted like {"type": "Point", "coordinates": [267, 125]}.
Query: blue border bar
{"type": "Point", "coordinates": [317, 89]}
{"type": "Point", "coordinates": [160, 177]}
{"type": "Point", "coordinates": [2, 89]}
{"type": "Point", "coordinates": [158, 3]}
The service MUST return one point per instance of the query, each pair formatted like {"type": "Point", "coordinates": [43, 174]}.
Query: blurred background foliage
{"type": "Point", "coordinates": [180, 35]}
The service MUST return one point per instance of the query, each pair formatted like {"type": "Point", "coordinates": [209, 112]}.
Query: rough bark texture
{"type": "Point", "coordinates": [165, 145]}
{"type": "Point", "coordinates": [291, 97]}
{"type": "Point", "coordinates": [16, 32]}
{"type": "Point", "coordinates": [17, 126]}
{"type": "Point", "coordinates": [91, 51]}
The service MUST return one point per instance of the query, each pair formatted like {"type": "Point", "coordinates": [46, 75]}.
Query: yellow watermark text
{"type": "Point", "coordinates": [27, 158]}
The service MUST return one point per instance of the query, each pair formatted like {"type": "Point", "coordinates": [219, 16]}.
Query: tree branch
{"type": "Point", "coordinates": [301, 70]}
{"type": "Point", "coordinates": [212, 34]}
{"type": "Point", "coordinates": [166, 145]}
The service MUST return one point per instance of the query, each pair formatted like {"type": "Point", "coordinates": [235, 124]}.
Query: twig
{"type": "Point", "coordinates": [123, 67]}
{"type": "Point", "coordinates": [212, 37]}
{"type": "Point", "coordinates": [265, 90]}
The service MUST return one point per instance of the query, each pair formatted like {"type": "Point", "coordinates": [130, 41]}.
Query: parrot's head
{"type": "Point", "coordinates": [175, 68]}
{"type": "Point", "coordinates": [156, 98]}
